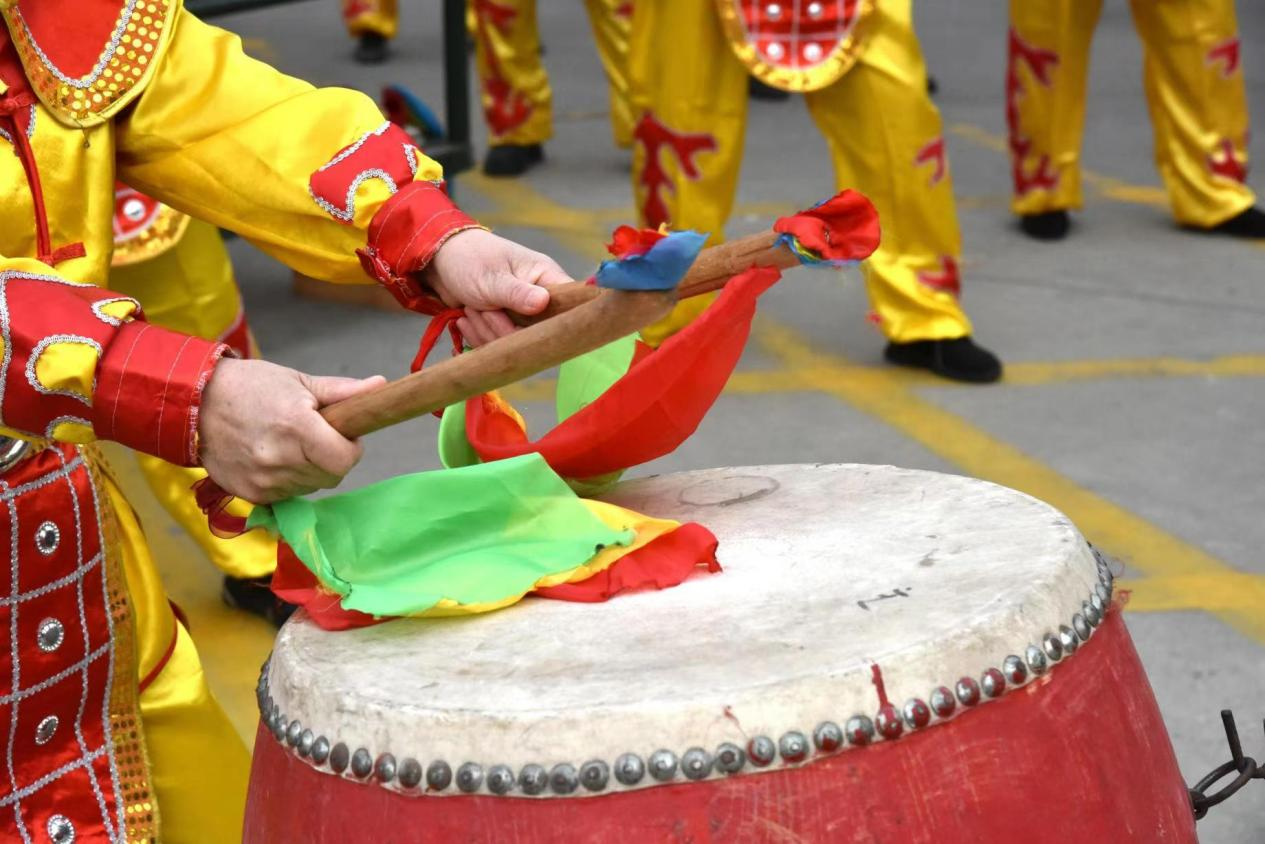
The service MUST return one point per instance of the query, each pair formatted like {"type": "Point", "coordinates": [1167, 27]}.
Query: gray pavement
{"type": "Point", "coordinates": [1184, 452]}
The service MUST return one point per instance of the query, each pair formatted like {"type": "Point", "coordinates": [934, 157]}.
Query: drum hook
{"type": "Point", "coordinates": [1245, 767]}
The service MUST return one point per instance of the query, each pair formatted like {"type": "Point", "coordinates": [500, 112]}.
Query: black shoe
{"type": "Point", "coordinates": [252, 595]}
{"type": "Point", "coordinates": [933, 87]}
{"type": "Point", "coordinates": [512, 159]}
{"type": "Point", "coordinates": [757, 90]}
{"type": "Point", "coordinates": [1250, 223]}
{"type": "Point", "coordinates": [372, 49]}
{"type": "Point", "coordinates": [1050, 225]}
{"type": "Point", "coordinates": [957, 360]}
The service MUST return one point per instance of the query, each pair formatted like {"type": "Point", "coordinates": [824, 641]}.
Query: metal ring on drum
{"type": "Point", "coordinates": [888, 654]}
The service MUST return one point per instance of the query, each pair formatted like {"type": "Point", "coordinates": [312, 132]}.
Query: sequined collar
{"type": "Point", "coordinates": [86, 59]}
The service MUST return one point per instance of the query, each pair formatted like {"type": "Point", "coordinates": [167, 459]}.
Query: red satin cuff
{"type": "Point", "coordinates": [149, 390]}
{"type": "Point", "coordinates": [404, 236]}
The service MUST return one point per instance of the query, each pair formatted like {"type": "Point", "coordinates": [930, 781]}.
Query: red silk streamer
{"type": "Point", "coordinates": [660, 564]}
{"type": "Point", "coordinates": [843, 228]}
{"type": "Point", "coordinates": [649, 411]}
{"type": "Point", "coordinates": [213, 500]}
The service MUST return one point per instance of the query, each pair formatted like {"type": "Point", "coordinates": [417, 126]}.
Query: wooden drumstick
{"type": "Point", "coordinates": [714, 266]}
{"type": "Point", "coordinates": [607, 316]}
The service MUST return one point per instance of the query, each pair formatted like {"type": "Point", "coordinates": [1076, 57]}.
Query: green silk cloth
{"type": "Point", "coordinates": [481, 534]}
{"type": "Point", "coordinates": [580, 381]}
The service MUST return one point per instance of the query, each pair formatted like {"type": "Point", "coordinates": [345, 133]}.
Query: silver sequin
{"type": "Point", "coordinates": [47, 538]}
{"type": "Point", "coordinates": [46, 729]}
{"type": "Point", "coordinates": [60, 829]}
{"type": "Point", "coordinates": [50, 635]}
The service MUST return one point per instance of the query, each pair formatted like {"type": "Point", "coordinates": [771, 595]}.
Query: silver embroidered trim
{"type": "Point", "coordinates": [120, 831]}
{"type": "Point", "coordinates": [348, 211]}
{"type": "Point", "coordinates": [16, 676]}
{"type": "Point", "coordinates": [52, 425]}
{"type": "Point", "coordinates": [42, 346]}
{"type": "Point", "coordinates": [6, 357]}
{"type": "Point", "coordinates": [106, 318]}
{"type": "Point", "coordinates": [410, 155]}
{"type": "Point", "coordinates": [49, 682]}
{"type": "Point", "coordinates": [87, 644]}
{"type": "Point", "coordinates": [81, 762]}
{"type": "Point", "coordinates": [108, 53]}
{"type": "Point", "coordinates": [30, 127]}
{"type": "Point", "coordinates": [52, 585]}
{"type": "Point", "coordinates": [11, 492]}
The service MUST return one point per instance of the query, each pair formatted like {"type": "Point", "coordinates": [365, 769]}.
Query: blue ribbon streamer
{"type": "Point", "coordinates": [660, 268]}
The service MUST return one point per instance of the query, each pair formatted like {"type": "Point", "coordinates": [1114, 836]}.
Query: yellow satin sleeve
{"type": "Point", "coordinates": [232, 141]}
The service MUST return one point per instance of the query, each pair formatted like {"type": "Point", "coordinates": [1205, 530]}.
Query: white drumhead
{"type": "Point", "coordinates": [828, 571]}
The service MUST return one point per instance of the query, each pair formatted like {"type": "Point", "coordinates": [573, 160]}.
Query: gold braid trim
{"type": "Point", "coordinates": [139, 807]}
{"type": "Point", "coordinates": [127, 60]}
{"type": "Point", "coordinates": [814, 78]}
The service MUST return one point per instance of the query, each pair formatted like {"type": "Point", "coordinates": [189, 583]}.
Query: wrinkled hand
{"type": "Point", "coordinates": [487, 275]}
{"type": "Point", "coordinates": [261, 436]}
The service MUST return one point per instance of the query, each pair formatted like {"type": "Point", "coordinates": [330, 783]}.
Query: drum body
{"type": "Point", "coordinates": [889, 655]}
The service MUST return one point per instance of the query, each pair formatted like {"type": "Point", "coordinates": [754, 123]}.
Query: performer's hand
{"type": "Point", "coordinates": [488, 275]}
{"type": "Point", "coordinates": [261, 436]}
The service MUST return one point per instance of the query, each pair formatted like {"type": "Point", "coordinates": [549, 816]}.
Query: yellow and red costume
{"type": "Point", "coordinates": [513, 85]}
{"type": "Point", "coordinates": [1194, 87]}
{"type": "Point", "coordinates": [380, 17]}
{"type": "Point", "coordinates": [180, 272]}
{"type": "Point", "coordinates": [110, 720]}
{"type": "Point", "coordinates": [860, 68]}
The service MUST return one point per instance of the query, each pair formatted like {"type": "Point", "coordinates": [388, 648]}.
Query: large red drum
{"type": "Point", "coordinates": [889, 655]}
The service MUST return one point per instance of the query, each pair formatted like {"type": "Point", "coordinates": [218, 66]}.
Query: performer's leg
{"type": "Point", "coordinates": [514, 88]}
{"type": "Point", "coordinates": [1047, 64]}
{"type": "Point", "coordinates": [198, 764]}
{"type": "Point", "coordinates": [1195, 90]}
{"type": "Point", "coordinates": [690, 96]}
{"type": "Point", "coordinates": [373, 23]}
{"type": "Point", "coordinates": [612, 20]}
{"type": "Point", "coordinates": [886, 140]}
{"type": "Point", "coordinates": [190, 288]}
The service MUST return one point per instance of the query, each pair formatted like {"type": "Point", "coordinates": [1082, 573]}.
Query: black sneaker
{"type": "Point", "coordinates": [957, 360]}
{"type": "Point", "coordinates": [1250, 224]}
{"type": "Point", "coordinates": [757, 90]}
{"type": "Point", "coordinates": [1049, 225]}
{"type": "Point", "coordinates": [512, 159]}
{"type": "Point", "coordinates": [253, 595]}
{"type": "Point", "coordinates": [372, 49]}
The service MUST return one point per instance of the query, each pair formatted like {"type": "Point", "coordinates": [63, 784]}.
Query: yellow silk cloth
{"type": "Point", "coordinates": [1195, 89]}
{"type": "Point", "coordinates": [883, 133]}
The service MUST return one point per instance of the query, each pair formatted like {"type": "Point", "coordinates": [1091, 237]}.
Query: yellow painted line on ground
{"type": "Point", "coordinates": [1141, 545]}
{"type": "Point", "coordinates": [1058, 372]}
{"type": "Point", "coordinates": [1220, 592]}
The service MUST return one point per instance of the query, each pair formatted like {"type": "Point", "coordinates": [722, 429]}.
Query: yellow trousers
{"type": "Point", "coordinates": [190, 288]}
{"type": "Point", "coordinates": [1194, 88]}
{"type": "Point", "coordinates": [198, 764]}
{"type": "Point", "coordinates": [514, 87]}
{"type": "Point", "coordinates": [378, 16]}
{"type": "Point", "coordinates": [885, 139]}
